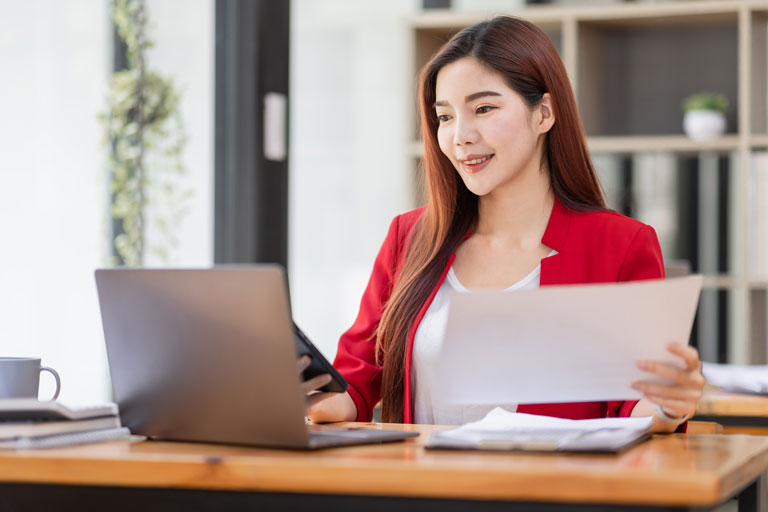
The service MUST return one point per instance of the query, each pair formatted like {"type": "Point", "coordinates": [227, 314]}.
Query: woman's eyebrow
{"type": "Point", "coordinates": [471, 97]}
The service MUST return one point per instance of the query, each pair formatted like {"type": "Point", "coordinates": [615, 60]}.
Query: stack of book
{"type": "Point", "coordinates": [28, 423]}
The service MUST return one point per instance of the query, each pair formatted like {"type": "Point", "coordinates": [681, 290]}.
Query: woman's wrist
{"type": "Point", "coordinates": [337, 407]}
{"type": "Point", "coordinates": [664, 416]}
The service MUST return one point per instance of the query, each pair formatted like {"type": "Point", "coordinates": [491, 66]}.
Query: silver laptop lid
{"type": "Point", "coordinates": [203, 354]}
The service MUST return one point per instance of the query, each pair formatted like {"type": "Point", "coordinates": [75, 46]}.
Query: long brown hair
{"type": "Point", "coordinates": [529, 63]}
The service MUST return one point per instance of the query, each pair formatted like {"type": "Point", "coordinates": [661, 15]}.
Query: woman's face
{"type": "Point", "coordinates": [486, 129]}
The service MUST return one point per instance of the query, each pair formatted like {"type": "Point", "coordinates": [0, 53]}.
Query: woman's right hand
{"type": "Point", "coordinates": [311, 387]}
{"type": "Point", "coordinates": [324, 406]}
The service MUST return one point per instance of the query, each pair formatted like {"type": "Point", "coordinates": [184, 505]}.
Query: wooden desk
{"type": "Point", "coordinates": [736, 412]}
{"type": "Point", "coordinates": [676, 472]}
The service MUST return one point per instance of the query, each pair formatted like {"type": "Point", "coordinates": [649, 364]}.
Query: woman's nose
{"type": "Point", "coordinates": [465, 132]}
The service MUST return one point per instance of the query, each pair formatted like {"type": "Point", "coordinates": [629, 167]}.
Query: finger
{"type": "Point", "coordinates": [689, 377]}
{"type": "Point", "coordinates": [689, 354]}
{"type": "Point", "coordinates": [315, 398]}
{"type": "Point", "coordinates": [303, 363]}
{"type": "Point", "coordinates": [664, 370]}
{"type": "Point", "coordinates": [315, 382]}
{"type": "Point", "coordinates": [673, 407]}
{"type": "Point", "coordinates": [663, 390]}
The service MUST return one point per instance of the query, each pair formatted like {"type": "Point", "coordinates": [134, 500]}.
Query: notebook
{"type": "Point", "coordinates": [30, 423]}
{"type": "Point", "coordinates": [208, 355]}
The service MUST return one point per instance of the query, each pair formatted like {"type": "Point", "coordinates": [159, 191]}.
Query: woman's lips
{"type": "Point", "coordinates": [478, 164]}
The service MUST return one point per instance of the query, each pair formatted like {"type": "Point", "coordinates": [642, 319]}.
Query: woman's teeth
{"type": "Point", "coordinates": [477, 160]}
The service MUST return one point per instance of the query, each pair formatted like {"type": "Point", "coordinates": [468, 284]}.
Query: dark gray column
{"type": "Point", "coordinates": [251, 142]}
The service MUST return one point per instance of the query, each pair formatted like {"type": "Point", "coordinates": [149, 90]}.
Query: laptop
{"type": "Point", "coordinates": [208, 355]}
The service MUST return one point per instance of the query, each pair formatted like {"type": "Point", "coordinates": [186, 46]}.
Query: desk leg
{"type": "Point", "coordinates": [753, 498]}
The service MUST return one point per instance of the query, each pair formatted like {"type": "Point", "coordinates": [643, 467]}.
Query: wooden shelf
{"type": "Point", "coordinates": [450, 20]}
{"type": "Point", "coordinates": [663, 143]}
{"type": "Point", "coordinates": [720, 282]}
{"type": "Point", "coordinates": [758, 141]}
{"type": "Point", "coordinates": [621, 14]}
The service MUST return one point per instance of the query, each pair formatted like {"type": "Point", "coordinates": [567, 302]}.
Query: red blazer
{"type": "Point", "coordinates": [593, 247]}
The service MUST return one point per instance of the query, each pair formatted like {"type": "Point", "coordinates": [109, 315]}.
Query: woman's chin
{"type": "Point", "coordinates": [479, 189]}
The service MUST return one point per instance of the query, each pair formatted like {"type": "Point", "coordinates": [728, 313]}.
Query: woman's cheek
{"type": "Point", "coordinates": [444, 141]}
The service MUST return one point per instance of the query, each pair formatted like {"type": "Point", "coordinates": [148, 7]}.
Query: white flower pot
{"type": "Point", "coordinates": [703, 124]}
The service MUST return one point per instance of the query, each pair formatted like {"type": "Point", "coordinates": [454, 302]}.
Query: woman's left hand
{"type": "Point", "coordinates": [679, 398]}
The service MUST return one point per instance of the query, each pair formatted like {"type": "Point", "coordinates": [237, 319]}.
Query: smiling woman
{"type": "Point", "coordinates": [513, 203]}
{"type": "Point", "coordinates": [492, 129]}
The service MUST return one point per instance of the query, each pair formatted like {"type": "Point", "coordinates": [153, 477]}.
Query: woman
{"type": "Point", "coordinates": [513, 202]}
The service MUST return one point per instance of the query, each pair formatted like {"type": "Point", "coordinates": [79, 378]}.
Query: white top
{"type": "Point", "coordinates": [426, 349]}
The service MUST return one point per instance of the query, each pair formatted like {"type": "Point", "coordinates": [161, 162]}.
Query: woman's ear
{"type": "Point", "coordinates": [546, 117]}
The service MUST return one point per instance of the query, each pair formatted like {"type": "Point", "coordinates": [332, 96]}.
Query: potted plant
{"type": "Point", "coordinates": [705, 115]}
{"type": "Point", "coordinates": [145, 137]}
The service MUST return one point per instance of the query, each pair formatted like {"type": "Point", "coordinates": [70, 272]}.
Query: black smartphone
{"type": "Point", "coordinates": [319, 363]}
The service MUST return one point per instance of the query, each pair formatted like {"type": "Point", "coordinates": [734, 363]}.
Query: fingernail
{"type": "Point", "coordinates": [327, 378]}
{"type": "Point", "coordinates": [634, 385]}
{"type": "Point", "coordinates": [642, 365]}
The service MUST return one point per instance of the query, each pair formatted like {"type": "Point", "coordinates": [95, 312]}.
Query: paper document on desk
{"type": "Point", "coordinates": [738, 378]}
{"type": "Point", "coordinates": [574, 343]}
{"type": "Point", "coordinates": [503, 430]}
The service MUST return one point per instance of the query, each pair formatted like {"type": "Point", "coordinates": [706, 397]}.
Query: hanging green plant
{"type": "Point", "coordinates": [145, 136]}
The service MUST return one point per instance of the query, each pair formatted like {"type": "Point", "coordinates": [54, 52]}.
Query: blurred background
{"type": "Point", "coordinates": [188, 133]}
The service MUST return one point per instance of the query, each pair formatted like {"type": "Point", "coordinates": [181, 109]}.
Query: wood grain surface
{"type": "Point", "coordinates": [723, 403]}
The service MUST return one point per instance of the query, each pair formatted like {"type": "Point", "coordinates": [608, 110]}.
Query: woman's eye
{"type": "Point", "coordinates": [483, 109]}
{"type": "Point", "coordinates": [441, 118]}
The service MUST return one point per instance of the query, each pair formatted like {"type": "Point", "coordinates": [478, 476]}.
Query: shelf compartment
{"type": "Point", "coordinates": [629, 82]}
{"type": "Point", "coordinates": [758, 77]}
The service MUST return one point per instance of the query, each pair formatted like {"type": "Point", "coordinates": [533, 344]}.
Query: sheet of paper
{"type": "Point", "coordinates": [571, 343]}
{"type": "Point", "coordinates": [746, 379]}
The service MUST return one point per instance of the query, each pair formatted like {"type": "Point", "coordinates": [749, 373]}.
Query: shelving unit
{"type": "Point", "coordinates": [631, 65]}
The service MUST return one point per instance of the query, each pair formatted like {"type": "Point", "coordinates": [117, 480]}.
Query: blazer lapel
{"type": "Point", "coordinates": [555, 269]}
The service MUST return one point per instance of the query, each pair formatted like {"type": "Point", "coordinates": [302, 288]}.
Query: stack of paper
{"type": "Point", "coordinates": [742, 379]}
{"type": "Point", "coordinates": [503, 430]}
{"type": "Point", "coordinates": [27, 423]}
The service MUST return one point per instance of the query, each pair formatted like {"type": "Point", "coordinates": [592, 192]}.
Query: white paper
{"type": "Point", "coordinates": [501, 429]}
{"type": "Point", "coordinates": [571, 343]}
{"type": "Point", "coordinates": [747, 379]}
{"type": "Point", "coordinates": [500, 420]}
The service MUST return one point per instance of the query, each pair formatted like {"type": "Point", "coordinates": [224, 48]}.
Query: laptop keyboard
{"type": "Point", "coordinates": [331, 436]}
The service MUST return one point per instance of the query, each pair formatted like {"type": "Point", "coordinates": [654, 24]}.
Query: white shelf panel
{"type": "Point", "coordinates": [664, 143]}
{"type": "Point", "coordinates": [703, 11]}
{"type": "Point", "coordinates": [721, 281]}
{"type": "Point", "coordinates": [758, 141]}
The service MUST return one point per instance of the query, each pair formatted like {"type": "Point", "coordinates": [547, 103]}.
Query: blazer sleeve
{"type": "Point", "coordinates": [643, 260]}
{"type": "Point", "coordinates": [356, 354]}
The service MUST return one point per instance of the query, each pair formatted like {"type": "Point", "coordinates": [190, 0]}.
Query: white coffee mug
{"type": "Point", "coordinates": [20, 377]}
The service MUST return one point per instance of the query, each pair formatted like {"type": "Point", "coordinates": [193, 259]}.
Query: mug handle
{"type": "Point", "coordinates": [55, 376]}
